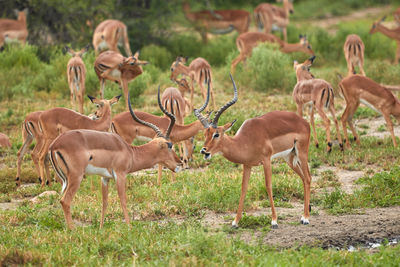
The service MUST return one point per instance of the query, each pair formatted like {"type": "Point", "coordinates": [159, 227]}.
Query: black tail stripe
{"type": "Point", "coordinates": [62, 158]}
{"type": "Point", "coordinates": [327, 99]}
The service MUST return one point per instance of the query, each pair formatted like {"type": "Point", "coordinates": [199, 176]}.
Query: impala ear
{"type": "Point", "coordinates": [136, 55]}
{"type": "Point", "coordinates": [115, 99]}
{"type": "Point", "coordinates": [68, 50]}
{"type": "Point", "coordinates": [91, 98]}
{"type": "Point", "coordinates": [228, 126]}
{"type": "Point", "coordinates": [295, 63]}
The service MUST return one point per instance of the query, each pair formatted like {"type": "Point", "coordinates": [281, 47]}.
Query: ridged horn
{"type": "Point", "coordinates": [148, 124]}
{"type": "Point", "coordinates": [227, 105]}
{"type": "Point", "coordinates": [197, 112]}
{"type": "Point", "coordinates": [171, 116]}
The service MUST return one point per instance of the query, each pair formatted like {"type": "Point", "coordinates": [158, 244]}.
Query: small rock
{"type": "Point", "coordinates": [36, 199]}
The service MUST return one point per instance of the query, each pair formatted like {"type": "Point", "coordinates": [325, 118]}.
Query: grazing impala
{"type": "Point", "coordinates": [218, 21]}
{"type": "Point", "coordinates": [30, 131]}
{"type": "Point", "coordinates": [4, 140]}
{"type": "Point", "coordinates": [356, 89]}
{"type": "Point", "coordinates": [76, 73]}
{"type": "Point", "coordinates": [391, 33]}
{"type": "Point", "coordinates": [113, 66]}
{"type": "Point", "coordinates": [80, 152]}
{"type": "Point", "coordinates": [14, 30]}
{"type": "Point", "coordinates": [174, 103]}
{"type": "Point", "coordinates": [354, 53]}
{"type": "Point", "coordinates": [198, 71]}
{"type": "Point", "coordinates": [269, 17]}
{"type": "Point", "coordinates": [247, 41]}
{"type": "Point", "coordinates": [319, 94]}
{"type": "Point", "coordinates": [56, 121]}
{"type": "Point", "coordinates": [129, 129]}
{"type": "Point", "coordinates": [109, 35]}
{"type": "Point", "coordinates": [272, 135]}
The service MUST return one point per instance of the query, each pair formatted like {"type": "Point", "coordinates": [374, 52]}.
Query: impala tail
{"type": "Point", "coordinates": [55, 157]}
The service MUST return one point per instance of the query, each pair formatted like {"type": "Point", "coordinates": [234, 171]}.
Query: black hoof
{"type": "Point", "coordinates": [304, 222]}
{"type": "Point", "coordinates": [309, 207]}
{"type": "Point", "coordinates": [47, 182]}
{"type": "Point", "coordinates": [317, 145]}
{"type": "Point", "coordinates": [355, 138]}
{"type": "Point", "coordinates": [341, 147]}
{"type": "Point", "coordinates": [234, 226]}
{"type": "Point", "coordinates": [17, 184]}
{"type": "Point", "coordinates": [40, 180]}
{"type": "Point", "coordinates": [17, 179]}
{"type": "Point", "coordinates": [274, 226]}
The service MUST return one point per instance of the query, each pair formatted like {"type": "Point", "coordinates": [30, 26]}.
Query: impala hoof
{"type": "Point", "coordinates": [47, 182]}
{"type": "Point", "coordinates": [304, 221]}
{"type": "Point", "coordinates": [235, 225]}
{"type": "Point", "coordinates": [317, 145]}
{"type": "Point", "coordinates": [40, 180]}
{"type": "Point", "coordinates": [274, 225]}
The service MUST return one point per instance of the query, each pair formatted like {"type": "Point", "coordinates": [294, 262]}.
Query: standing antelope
{"type": "Point", "coordinates": [174, 103]}
{"type": "Point", "coordinates": [354, 53]}
{"type": "Point", "coordinates": [218, 21]}
{"type": "Point", "coordinates": [269, 17]}
{"type": "Point", "coordinates": [356, 89]}
{"type": "Point", "coordinates": [391, 33]}
{"type": "Point", "coordinates": [76, 72]}
{"type": "Point", "coordinates": [249, 40]}
{"type": "Point", "coordinates": [14, 30]}
{"type": "Point", "coordinates": [272, 135]}
{"type": "Point", "coordinates": [198, 71]}
{"type": "Point", "coordinates": [30, 131]}
{"type": "Point", "coordinates": [80, 152]}
{"type": "Point", "coordinates": [110, 34]}
{"type": "Point", "coordinates": [319, 93]}
{"type": "Point", "coordinates": [4, 140]}
{"type": "Point", "coordinates": [56, 121]}
{"type": "Point", "coordinates": [113, 66]}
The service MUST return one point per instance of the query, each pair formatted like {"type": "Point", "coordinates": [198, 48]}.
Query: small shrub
{"type": "Point", "coordinates": [157, 56]}
{"type": "Point", "coordinates": [253, 222]}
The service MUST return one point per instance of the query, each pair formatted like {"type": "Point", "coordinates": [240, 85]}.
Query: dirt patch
{"type": "Point", "coordinates": [346, 178]}
{"type": "Point", "coordinates": [11, 205]}
{"type": "Point", "coordinates": [377, 128]}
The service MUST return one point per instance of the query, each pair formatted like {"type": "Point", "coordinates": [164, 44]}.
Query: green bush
{"type": "Point", "coordinates": [218, 49]}
{"type": "Point", "coordinates": [268, 69]}
{"type": "Point", "coordinates": [157, 56]}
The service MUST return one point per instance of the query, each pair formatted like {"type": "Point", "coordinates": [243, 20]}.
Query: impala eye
{"type": "Point", "coordinates": [97, 105]}
{"type": "Point", "coordinates": [169, 144]}
{"type": "Point", "coordinates": [216, 135]}
{"type": "Point", "coordinates": [172, 69]}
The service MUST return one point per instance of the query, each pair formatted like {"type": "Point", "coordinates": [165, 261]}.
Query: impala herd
{"type": "Point", "coordinates": [76, 144]}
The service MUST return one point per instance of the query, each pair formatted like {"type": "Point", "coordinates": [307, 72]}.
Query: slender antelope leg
{"type": "Point", "coordinates": [389, 124]}
{"type": "Point", "coordinates": [42, 158]}
{"type": "Point", "coordinates": [396, 60]}
{"type": "Point", "coordinates": [121, 188]}
{"type": "Point", "coordinates": [268, 185]}
{"type": "Point", "coordinates": [245, 182]}
{"type": "Point", "coordinates": [327, 123]}
{"type": "Point", "coordinates": [313, 127]}
{"type": "Point", "coordinates": [347, 118]}
{"type": "Point", "coordinates": [72, 188]}
{"type": "Point", "coordinates": [339, 136]}
{"type": "Point", "coordinates": [159, 174]}
{"type": "Point", "coordinates": [27, 140]}
{"type": "Point", "coordinates": [104, 192]}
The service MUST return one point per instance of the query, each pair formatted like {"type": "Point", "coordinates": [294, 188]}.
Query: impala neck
{"type": "Point", "coordinates": [233, 150]}
{"type": "Point", "coordinates": [184, 132]}
{"type": "Point", "coordinates": [185, 70]}
{"type": "Point", "coordinates": [22, 18]}
{"type": "Point", "coordinates": [393, 34]}
{"type": "Point", "coordinates": [144, 157]}
{"type": "Point", "coordinates": [104, 122]}
{"type": "Point", "coordinates": [188, 12]}
{"type": "Point", "coordinates": [286, 8]}
{"type": "Point", "coordinates": [290, 48]}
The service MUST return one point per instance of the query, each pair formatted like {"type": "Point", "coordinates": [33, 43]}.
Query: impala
{"type": "Point", "coordinates": [271, 17]}
{"type": "Point", "coordinates": [272, 135]}
{"type": "Point", "coordinates": [4, 140]}
{"type": "Point", "coordinates": [109, 35]}
{"type": "Point", "coordinates": [354, 53]}
{"type": "Point", "coordinates": [319, 94]}
{"type": "Point", "coordinates": [55, 121]}
{"type": "Point", "coordinates": [356, 89]}
{"type": "Point", "coordinates": [174, 103]}
{"type": "Point", "coordinates": [76, 73]}
{"type": "Point", "coordinates": [391, 33]}
{"type": "Point", "coordinates": [113, 66]}
{"type": "Point", "coordinates": [30, 131]}
{"type": "Point", "coordinates": [80, 152]}
{"type": "Point", "coordinates": [198, 71]}
{"type": "Point", "coordinates": [396, 16]}
{"type": "Point", "coordinates": [218, 21]}
{"type": "Point", "coordinates": [14, 30]}
{"type": "Point", "coordinates": [129, 129]}
{"type": "Point", "coordinates": [249, 40]}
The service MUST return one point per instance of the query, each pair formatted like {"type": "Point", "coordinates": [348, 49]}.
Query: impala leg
{"type": "Point", "coordinates": [35, 155]}
{"type": "Point", "coordinates": [361, 66]}
{"type": "Point", "coordinates": [80, 101]}
{"type": "Point", "coordinates": [159, 174]}
{"type": "Point", "coordinates": [284, 32]}
{"type": "Point", "coordinates": [389, 124]}
{"type": "Point", "coordinates": [245, 182]}
{"type": "Point", "coordinates": [327, 124]}
{"type": "Point", "coordinates": [268, 185]}
{"type": "Point", "coordinates": [74, 182]}
{"type": "Point", "coordinates": [191, 94]}
{"type": "Point", "coordinates": [21, 152]}
{"type": "Point", "coordinates": [339, 136]}
{"type": "Point", "coordinates": [121, 188]}
{"type": "Point", "coordinates": [236, 61]}
{"type": "Point", "coordinates": [42, 158]}
{"type": "Point", "coordinates": [313, 127]}
{"type": "Point", "coordinates": [347, 118]}
{"type": "Point", "coordinates": [47, 169]}
{"type": "Point", "coordinates": [396, 60]}
{"type": "Point", "coordinates": [104, 192]}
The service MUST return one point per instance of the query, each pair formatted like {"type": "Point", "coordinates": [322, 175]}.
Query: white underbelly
{"type": "Point", "coordinates": [116, 74]}
{"type": "Point", "coordinates": [365, 102]}
{"type": "Point", "coordinates": [283, 154]}
{"type": "Point", "coordinates": [90, 169]}
{"type": "Point", "coordinates": [143, 138]}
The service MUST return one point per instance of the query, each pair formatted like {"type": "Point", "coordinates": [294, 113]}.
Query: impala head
{"type": "Point", "coordinates": [176, 65]}
{"type": "Point", "coordinates": [214, 134]}
{"type": "Point", "coordinates": [287, 5]}
{"type": "Point", "coordinates": [303, 70]}
{"type": "Point", "coordinates": [77, 54]}
{"type": "Point", "coordinates": [21, 14]}
{"type": "Point", "coordinates": [103, 105]}
{"type": "Point", "coordinates": [183, 85]}
{"type": "Point", "coordinates": [133, 61]}
{"type": "Point", "coordinates": [306, 46]}
{"type": "Point", "coordinates": [166, 154]}
{"type": "Point", "coordinates": [374, 27]}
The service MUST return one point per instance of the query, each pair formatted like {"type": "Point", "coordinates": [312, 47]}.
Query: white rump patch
{"type": "Point", "coordinates": [90, 169]}
{"type": "Point", "coordinates": [283, 154]}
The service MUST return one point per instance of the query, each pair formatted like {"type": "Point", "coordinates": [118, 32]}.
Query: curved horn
{"type": "Point", "coordinates": [178, 59]}
{"type": "Point", "coordinates": [171, 116]}
{"type": "Point", "coordinates": [135, 118]}
{"type": "Point", "coordinates": [197, 112]}
{"type": "Point", "coordinates": [227, 105]}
